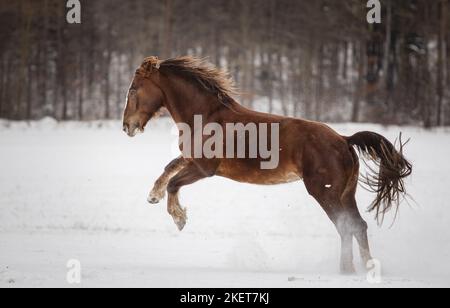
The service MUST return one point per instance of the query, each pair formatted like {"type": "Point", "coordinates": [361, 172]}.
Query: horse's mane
{"type": "Point", "coordinates": [202, 73]}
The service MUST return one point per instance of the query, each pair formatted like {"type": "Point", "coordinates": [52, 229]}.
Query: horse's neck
{"type": "Point", "coordinates": [184, 101]}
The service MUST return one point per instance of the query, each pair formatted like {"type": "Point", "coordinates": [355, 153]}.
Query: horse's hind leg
{"type": "Point", "coordinates": [328, 196]}
{"type": "Point", "coordinates": [358, 225]}
{"type": "Point", "coordinates": [326, 179]}
{"type": "Point", "coordinates": [363, 240]}
{"type": "Point", "coordinates": [159, 189]}
{"type": "Point", "coordinates": [343, 226]}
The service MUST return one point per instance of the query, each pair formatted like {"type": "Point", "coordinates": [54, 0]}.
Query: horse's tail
{"type": "Point", "coordinates": [388, 181]}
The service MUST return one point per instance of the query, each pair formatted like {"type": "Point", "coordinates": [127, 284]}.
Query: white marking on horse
{"type": "Point", "coordinates": [128, 95]}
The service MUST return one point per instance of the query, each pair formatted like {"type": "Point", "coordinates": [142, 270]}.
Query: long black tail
{"type": "Point", "coordinates": [388, 181]}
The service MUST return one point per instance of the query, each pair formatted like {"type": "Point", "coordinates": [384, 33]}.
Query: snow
{"type": "Point", "coordinates": [78, 191]}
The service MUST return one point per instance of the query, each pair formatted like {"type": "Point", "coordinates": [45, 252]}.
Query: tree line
{"type": "Point", "coordinates": [318, 59]}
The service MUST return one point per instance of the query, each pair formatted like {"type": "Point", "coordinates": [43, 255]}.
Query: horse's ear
{"type": "Point", "coordinates": [157, 63]}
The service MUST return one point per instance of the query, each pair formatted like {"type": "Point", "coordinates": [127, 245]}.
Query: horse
{"type": "Point", "coordinates": [327, 162]}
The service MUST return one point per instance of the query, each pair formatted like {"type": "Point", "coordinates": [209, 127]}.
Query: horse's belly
{"type": "Point", "coordinates": [247, 174]}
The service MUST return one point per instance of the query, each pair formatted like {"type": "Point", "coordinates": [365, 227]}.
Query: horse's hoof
{"type": "Point", "coordinates": [153, 200]}
{"type": "Point", "coordinates": [155, 197]}
{"type": "Point", "coordinates": [180, 222]}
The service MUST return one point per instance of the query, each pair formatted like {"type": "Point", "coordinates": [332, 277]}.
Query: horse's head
{"type": "Point", "coordinates": [144, 98]}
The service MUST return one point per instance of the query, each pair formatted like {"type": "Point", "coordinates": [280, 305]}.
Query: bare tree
{"type": "Point", "coordinates": [319, 61]}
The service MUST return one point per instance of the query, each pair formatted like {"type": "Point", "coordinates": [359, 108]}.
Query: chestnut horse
{"type": "Point", "coordinates": [326, 161]}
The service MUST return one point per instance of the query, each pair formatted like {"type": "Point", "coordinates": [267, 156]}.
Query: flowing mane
{"type": "Point", "coordinates": [205, 75]}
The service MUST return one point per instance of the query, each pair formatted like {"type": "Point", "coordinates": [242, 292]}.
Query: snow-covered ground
{"type": "Point", "coordinates": [78, 191]}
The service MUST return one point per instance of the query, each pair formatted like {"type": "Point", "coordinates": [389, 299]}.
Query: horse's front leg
{"type": "Point", "coordinates": [192, 173]}
{"type": "Point", "coordinates": [159, 189]}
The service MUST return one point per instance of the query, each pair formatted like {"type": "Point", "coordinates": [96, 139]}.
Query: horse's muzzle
{"type": "Point", "coordinates": [133, 130]}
